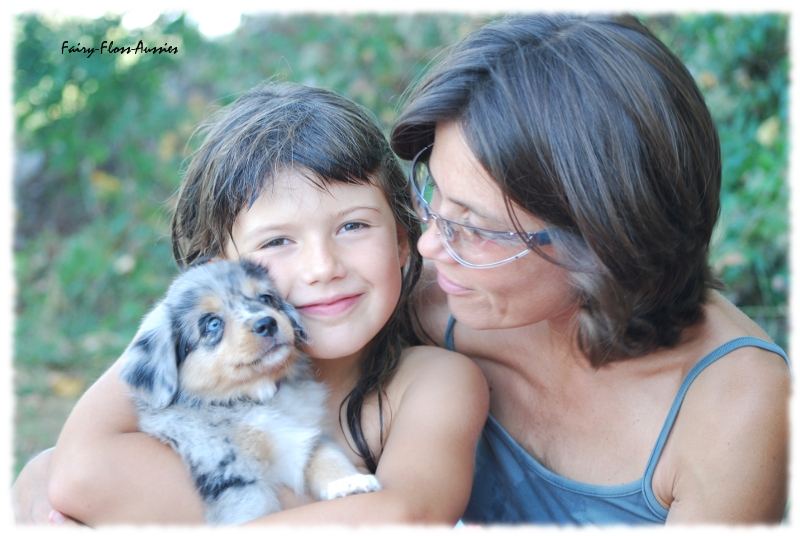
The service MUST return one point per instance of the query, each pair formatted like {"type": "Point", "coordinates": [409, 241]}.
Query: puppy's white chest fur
{"type": "Point", "coordinates": [238, 454]}
{"type": "Point", "coordinates": [282, 435]}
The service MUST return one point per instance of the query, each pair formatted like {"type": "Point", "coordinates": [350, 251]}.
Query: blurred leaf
{"type": "Point", "coordinates": [65, 386]}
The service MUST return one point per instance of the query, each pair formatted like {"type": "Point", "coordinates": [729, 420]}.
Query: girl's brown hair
{"type": "Point", "coordinates": [329, 139]}
{"type": "Point", "coordinates": [591, 124]}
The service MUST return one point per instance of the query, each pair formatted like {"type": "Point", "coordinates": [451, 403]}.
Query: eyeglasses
{"type": "Point", "coordinates": [470, 246]}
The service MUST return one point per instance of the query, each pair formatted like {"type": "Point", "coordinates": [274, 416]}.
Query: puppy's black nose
{"type": "Point", "coordinates": [266, 327]}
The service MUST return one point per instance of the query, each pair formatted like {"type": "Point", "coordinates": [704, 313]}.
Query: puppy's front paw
{"type": "Point", "coordinates": [351, 485]}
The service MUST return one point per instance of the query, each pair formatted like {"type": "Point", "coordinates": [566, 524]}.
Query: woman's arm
{"type": "Point", "coordinates": [427, 465]}
{"type": "Point", "coordinates": [731, 443]}
{"type": "Point", "coordinates": [105, 471]}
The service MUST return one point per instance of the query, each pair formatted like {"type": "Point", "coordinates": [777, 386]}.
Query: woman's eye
{"type": "Point", "coordinates": [475, 234]}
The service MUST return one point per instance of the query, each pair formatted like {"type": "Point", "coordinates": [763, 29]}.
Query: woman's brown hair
{"type": "Point", "coordinates": [591, 124]}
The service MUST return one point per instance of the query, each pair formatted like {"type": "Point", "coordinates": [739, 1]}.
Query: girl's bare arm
{"type": "Point", "coordinates": [427, 466]}
{"type": "Point", "coordinates": [105, 471]}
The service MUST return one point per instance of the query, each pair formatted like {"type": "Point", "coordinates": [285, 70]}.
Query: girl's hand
{"type": "Point", "coordinates": [29, 495]}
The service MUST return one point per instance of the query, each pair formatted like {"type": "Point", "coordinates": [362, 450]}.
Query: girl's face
{"type": "Point", "coordinates": [523, 292]}
{"type": "Point", "coordinates": [334, 254]}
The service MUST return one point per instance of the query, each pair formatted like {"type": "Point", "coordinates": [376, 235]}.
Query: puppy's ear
{"type": "Point", "coordinates": [151, 366]}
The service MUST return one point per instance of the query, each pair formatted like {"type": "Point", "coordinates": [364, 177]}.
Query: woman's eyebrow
{"type": "Point", "coordinates": [470, 208]}
{"type": "Point", "coordinates": [490, 219]}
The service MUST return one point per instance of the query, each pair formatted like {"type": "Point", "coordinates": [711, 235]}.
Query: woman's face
{"type": "Point", "coordinates": [523, 292]}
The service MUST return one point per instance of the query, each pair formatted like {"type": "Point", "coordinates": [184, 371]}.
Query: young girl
{"type": "Point", "coordinates": [301, 180]}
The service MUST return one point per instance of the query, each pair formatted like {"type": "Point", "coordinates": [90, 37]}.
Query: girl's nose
{"type": "Point", "coordinates": [322, 262]}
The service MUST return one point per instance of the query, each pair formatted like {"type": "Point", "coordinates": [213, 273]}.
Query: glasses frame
{"type": "Point", "coordinates": [540, 238]}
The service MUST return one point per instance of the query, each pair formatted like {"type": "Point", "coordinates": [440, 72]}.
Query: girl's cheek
{"type": "Point", "coordinates": [279, 272]}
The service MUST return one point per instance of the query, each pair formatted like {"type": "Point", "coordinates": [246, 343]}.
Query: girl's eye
{"type": "Point", "coordinates": [354, 226]}
{"type": "Point", "coordinates": [276, 243]}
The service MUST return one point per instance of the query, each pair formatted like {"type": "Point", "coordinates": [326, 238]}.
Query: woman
{"type": "Point", "coordinates": [625, 389]}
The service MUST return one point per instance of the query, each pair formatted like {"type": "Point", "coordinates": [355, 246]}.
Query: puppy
{"type": "Point", "coordinates": [216, 373]}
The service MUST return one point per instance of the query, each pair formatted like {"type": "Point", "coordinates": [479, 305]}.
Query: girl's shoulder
{"type": "Point", "coordinates": [429, 374]}
{"type": "Point", "coordinates": [424, 362]}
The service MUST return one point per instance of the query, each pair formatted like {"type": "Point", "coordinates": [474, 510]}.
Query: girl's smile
{"type": "Point", "coordinates": [329, 306]}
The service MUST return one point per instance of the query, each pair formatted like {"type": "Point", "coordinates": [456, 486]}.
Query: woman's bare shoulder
{"type": "Point", "coordinates": [749, 369]}
{"type": "Point", "coordinates": [737, 408]}
{"type": "Point", "coordinates": [749, 372]}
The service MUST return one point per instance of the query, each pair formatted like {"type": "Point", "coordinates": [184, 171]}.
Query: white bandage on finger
{"type": "Point", "coordinates": [351, 485]}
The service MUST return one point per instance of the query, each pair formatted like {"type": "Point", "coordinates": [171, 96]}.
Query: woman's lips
{"type": "Point", "coordinates": [331, 308]}
{"type": "Point", "coordinates": [448, 286]}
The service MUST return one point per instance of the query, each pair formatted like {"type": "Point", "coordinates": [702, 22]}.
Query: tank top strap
{"type": "Point", "coordinates": [449, 341]}
{"type": "Point", "coordinates": [699, 367]}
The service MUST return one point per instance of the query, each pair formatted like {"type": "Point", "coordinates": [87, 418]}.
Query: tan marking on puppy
{"type": "Point", "coordinates": [241, 346]}
{"type": "Point", "coordinates": [209, 303]}
{"type": "Point", "coordinates": [213, 374]}
{"type": "Point", "coordinates": [326, 464]}
{"type": "Point", "coordinates": [285, 327]}
{"type": "Point", "coordinates": [257, 443]}
{"type": "Point", "coordinates": [254, 287]}
{"type": "Point", "coordinates": [205, 375]}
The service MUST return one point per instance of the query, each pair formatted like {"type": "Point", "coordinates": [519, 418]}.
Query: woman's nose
{"type": "Point", "coordinates": [430, 244]}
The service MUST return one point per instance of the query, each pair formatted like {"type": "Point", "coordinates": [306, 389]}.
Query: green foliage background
{"type": "Point", "coordinates": [100, 141]}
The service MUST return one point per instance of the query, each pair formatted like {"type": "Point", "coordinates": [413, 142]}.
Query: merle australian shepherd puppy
{"type": "Point", "coordinates": [217, 374]}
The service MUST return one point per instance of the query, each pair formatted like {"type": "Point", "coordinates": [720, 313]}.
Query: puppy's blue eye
{"type": "Point", "coordinates": [213, 324]}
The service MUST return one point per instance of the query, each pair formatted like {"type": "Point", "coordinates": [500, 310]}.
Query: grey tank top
{"type": "Point", "coordinates": [510, 486]}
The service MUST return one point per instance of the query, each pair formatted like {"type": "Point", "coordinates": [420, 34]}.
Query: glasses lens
{"type": "Point", "coordinates": [471, 246]}
{"type": "Point", "coordinates": [477, 247]}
